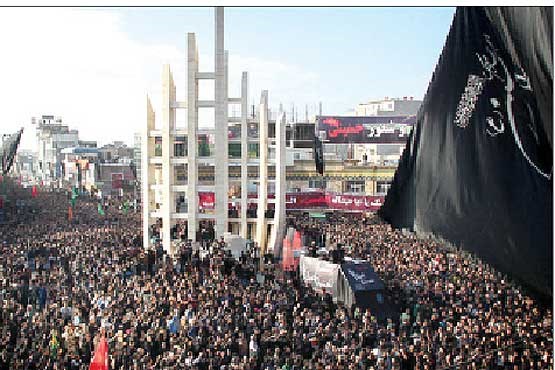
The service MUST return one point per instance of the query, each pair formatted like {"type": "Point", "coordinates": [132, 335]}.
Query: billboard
{"type": "Point", "coordinates": [333, 201]}
{"type": "Point", "coordinates": [311, 200]}
{"type": "Point", "coordinates": [365, 130]}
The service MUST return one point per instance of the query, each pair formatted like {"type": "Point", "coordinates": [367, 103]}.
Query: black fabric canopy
{"type": "Point", "coordinates": [359, 285]}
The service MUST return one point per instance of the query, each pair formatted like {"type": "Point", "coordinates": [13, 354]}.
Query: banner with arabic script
{"type": "Point", "coordinates": [365, 129]}
{"type": "Point", "coordinates": [477, 169]}
{"type": "Point", "coordinates": [333, 201]}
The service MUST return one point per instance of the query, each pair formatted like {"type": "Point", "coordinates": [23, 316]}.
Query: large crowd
{"type": "Point", "coordinates": [64, 284]}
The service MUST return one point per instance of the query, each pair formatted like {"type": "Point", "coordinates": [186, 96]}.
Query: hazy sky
{"type": "Point", "coordinates": [94, 66]}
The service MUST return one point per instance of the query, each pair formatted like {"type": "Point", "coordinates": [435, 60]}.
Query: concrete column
{"type": "Point", "coordinates": [278, 230]}
{"type": "Point", "coordinates": [147, 172]}
{"type": "Point", "coordinates": [192, 120]}
{"type": "Point", "coordinates": [244, 153]}
{"type": "Point", "coordinates": [220, 107]}
{"type": "Point", "coordinates": [263, 173]}
{"type": "Point", "coordinates": [168, 124]}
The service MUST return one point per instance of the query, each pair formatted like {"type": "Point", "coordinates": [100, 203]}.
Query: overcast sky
{"type": "Point", "coordinates": [95, 66]}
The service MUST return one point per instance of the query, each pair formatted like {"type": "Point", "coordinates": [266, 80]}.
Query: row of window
{"type": "Point", "coordinates": [206, 148]}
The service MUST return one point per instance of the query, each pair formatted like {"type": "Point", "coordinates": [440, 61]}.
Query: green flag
{"type": "Point", "coordinates": [73, 202]}
{"type": "Point", "coordinates": [125, 207]}
{"type": "Point", "coordinates": [100, 209]}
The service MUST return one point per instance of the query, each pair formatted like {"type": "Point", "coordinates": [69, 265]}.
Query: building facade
{"type": "Point", "coordinates": [196, 178]}
{"type": "Point", "coordinates": [80, 167]}
{"type": "Point", "coordinates": [361, 153]}
{"type": "Point", "coordinates": [52, 137]}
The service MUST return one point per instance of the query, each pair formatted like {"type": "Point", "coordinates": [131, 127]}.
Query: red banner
{"type": "Point", "coordinates": [331, 201]}
{"type": "Point", "coordinates": [354, 202]}
{"type": "Point", "coordinates": [206, 200]}
{"type": "Point", "coordinates": [311, 200]}
{"type": "Point", "coordinates": [117, 180]}
{"type": "Point", "coordinates": [306, 200]}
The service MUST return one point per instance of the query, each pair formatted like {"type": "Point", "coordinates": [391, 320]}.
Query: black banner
{"type": "Point", "coordinates": [318, 155]}
{"type": "Point", "coordinates": [9, 150]}
{"type": "Point", "coordinates": [478, 168]}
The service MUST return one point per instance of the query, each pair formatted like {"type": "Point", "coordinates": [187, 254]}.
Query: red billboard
{"type": "Point", "coordinates": [312, 200]}
{"type": "Point", "coordinates": [333, 201]}
{"type": "Point", "coordinates": [206, 200]}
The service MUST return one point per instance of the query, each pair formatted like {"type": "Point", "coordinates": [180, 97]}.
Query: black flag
{"type": "Point", "coordinates": [318, 155]}
{"type": "Point", "coordinates": [477, 169]}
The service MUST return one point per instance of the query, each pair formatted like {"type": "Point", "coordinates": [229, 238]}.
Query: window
{"type": "Point", "coordinates": [234, 191]}
{"type": "Point", "coordinates": [354, 186]}
{"type": "Point", "coordinates": [158, 146]}
{"type": "Point", "coordinates": [252, 130]}
{"type": "Point", "coordinates": [234, 150]}
{"type": "Point", "coordinates": [205, 145]}
{"type": "Point", "coordinates": [382, 187]}
{"type": "Point", "coordinates": [181, 175]}
{"type": "Point", "coordinates": [253, 150]}
{"type": "Point", "coordinates": [180, 146]}
{"type": "Point", "coordinates": [317, 184]}
{"type": "Point", "coordinates": [181, 203]}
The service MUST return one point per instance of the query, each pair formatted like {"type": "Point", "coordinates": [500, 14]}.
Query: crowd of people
{"type": "Point", "coordinates": [66, 284]}
{"type": "Point", "coordinates": [458, 312]}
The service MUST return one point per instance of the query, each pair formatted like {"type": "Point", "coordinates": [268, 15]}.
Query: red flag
{"type": "Point", "coordinates": [100, 359]}
{"type": "Point", "coordinates": [70, 213]}
{"type": "Point", "coordinates": [34, 191]}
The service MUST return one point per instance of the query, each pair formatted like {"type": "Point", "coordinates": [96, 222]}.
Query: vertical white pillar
{"type": "Point", "coordinates": [168, 124]}
{"type": "Point", "coordinates": [147, 172]}
{"type": "Point", "coordinates": [279, 215]}
{"type": "Point", "coordinates": [261, 227]}
{"type": "Point", "coordinates": [244, 153]}
{"type": "Point", "coordinates": [192, 125]}
{"type": "Point", "coordinates": [220, 107]}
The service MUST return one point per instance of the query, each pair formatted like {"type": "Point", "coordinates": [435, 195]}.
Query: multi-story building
{"type": "Point", "coordinates": [26, 165]}
{"type": "Point", "coordinates": [52, 137]}
{"type": "Point", "coordinates": [361, 153]}
{"type": "Point", "coordinates": [80, 167]}
{"type": "Point", "coordinates": [115, 152]}
{"type": "Point", "coordinates": [229, 177]}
